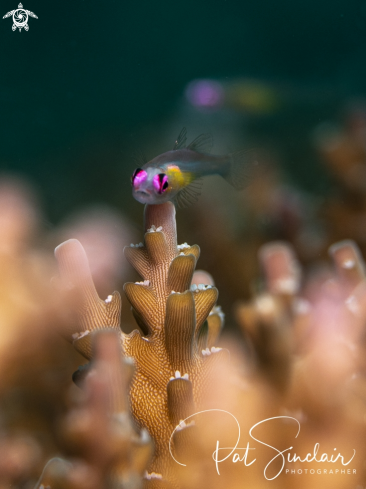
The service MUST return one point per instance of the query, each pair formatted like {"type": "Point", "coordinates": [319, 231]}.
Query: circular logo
{"type": "Point", "coordinates": [20, 17]}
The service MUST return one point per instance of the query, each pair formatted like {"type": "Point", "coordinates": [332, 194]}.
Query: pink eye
{"type": "Point", "coordinates": [139, 176]}
{"type": "Point", "coordinates": [160, 182]}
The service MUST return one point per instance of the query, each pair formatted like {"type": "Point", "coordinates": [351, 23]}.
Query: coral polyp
{"type": "Point", "coordinates": [173, 349]}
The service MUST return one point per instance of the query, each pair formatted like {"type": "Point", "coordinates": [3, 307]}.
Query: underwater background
{"type": "Point", "coordinates": [90, 83]}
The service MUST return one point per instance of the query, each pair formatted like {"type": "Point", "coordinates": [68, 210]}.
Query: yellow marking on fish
{"type": "Point", "coordinates": [177, 178]}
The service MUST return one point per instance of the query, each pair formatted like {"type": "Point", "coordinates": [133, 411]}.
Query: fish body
{"type": "Point", "coordinates": [175, 175]}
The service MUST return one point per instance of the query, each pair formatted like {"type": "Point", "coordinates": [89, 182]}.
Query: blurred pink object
{"type": "Point", "coordinates": [19, 213]}
{"type": "Point", "coordinates": [103, 233]}
{"type": "Point", "coordinates": [281, 268]}
{"type": "Point", "coordinates": [202, 277]}
{"type": "Point", "coordinates": [205, 93]}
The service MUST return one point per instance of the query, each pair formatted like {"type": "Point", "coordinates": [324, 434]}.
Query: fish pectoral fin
{"type": "Point", "coordinates": [202, 144]}
{"type": "Point", "coordinates": [189, 194]}
{"type": "Point", "coordinates": [244, 167]}
{"type": "Point", "coordinates": [181, 140]}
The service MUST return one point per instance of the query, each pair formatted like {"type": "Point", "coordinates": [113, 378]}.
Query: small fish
{"type": "Point", "coordinates": [176, 175]}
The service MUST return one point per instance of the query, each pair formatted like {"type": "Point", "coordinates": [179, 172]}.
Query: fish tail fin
{"type": "Point", "coordinates": [243, 168]}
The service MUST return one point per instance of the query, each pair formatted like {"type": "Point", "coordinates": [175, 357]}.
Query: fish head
{"type": "Point", "coordinates": [150, 186]}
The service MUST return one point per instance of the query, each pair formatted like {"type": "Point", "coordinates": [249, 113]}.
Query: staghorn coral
{"type": "Point", "coordinates": [342, 150]}
{"type": "Point", "coordinates": [99, 430]}
{"type": "Point", "coordinates": [287, 322]}
{"type": "Point", "coordinates": [174, 354]}
{"type": "Point", "coordinates": [308, 341]}
{"type": "Point", "coordinates": [268, 320]}
{"type": "Point", "coordinates": [307, 338]}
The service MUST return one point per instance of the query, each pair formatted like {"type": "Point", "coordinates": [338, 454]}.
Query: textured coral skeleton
{"type": "Point", "coordinates": [174, 350]}
{"type": "Point", "coordinates": [108, 452]}
{"type": "Point", "coordinates": [306, 361]}
{"type": "Point", "coordinates": [292, 330]}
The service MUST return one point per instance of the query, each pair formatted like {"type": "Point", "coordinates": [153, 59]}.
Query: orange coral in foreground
{"type": "Point", "coordinates": [174, 364]}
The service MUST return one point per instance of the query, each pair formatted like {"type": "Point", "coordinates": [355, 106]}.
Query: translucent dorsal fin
{"type": "Point", "coordinates": [139, 158]}
{"type": "Point", "coordinates": [202, 144]}
{"type": "Point", "coordinates": [180, 142]}
{"type": "Point", "coordinates": [189, 194]}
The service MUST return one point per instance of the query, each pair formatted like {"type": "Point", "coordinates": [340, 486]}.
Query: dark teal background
{"type": "Point", "coordinates": [80, 90]}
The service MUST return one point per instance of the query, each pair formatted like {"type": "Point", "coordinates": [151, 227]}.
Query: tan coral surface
{"type": "Point", "coordinates": [173, 361]}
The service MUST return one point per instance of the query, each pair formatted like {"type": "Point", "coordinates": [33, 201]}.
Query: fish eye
{"type": "Point", "coordinates": [135, 173]}
{"type": "Point", "coordinates": [160, 182]}
{"type": "Point", "coordinates": [138, 176]}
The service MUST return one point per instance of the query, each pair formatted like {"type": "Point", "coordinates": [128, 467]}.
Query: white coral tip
{"type": "Point", "coordinates": [182, 424]}
{"type": "Point", "coordinates": [177, 374]}
{"type": "Point", "coordinates": [144, 436]}
{"type": "Point", "coordinates": [265, 304]}
{"type": "Point", "coordinates": [353, 305]}
{"type": "Point", "coordinates": [287, 285]}
{"type": "Point", "coordinates": [108, 299]}
{"type": "Point", "coordinates": [183, 246]}
{"type": "Point", "coordinates": [215, 350]}
{"type": "Point", "coordinates": [141, 245]}
{"type": "Point", "coordinates": [77, 336]}
{"type": "Point", "coordinates": [206, 352]}
{"type": "Point", "coordinates": [153, 475]}
{"type": "Point", "coordinates": [217, 310]}
{"type": "Point", "coordinates": [348, 264]}
{"type": "Point", "coordinates": [193, 287]}
{"type": "Point", "coordinates": [185, 376]}
{"type": "Point", "coordinates": [301, 306]}
{"type": "Point", "coordinates": [201, 286]}
{"type": "Point", "coordinates": [160, 228]}
{"type": "Point", "coordinates": [132, 245]}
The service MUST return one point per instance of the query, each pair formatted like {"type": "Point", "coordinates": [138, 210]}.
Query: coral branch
{"type": "Point", "coordinates": [179, 330]}
{"type": "Point", "coordinates": [92, 312]}
{"type": "Point", "coordinates": [143, 300]}
{"type": "Point", "coordinates": [348, 263]}
{"type": "Point", "coordinates": [171, 314]}
{"type": "Point", "coordinates": [181, 272]}
{"type": "Point", "coordinates": [163, 216]}
{"type": "Point", "coordinates": [180, 400]}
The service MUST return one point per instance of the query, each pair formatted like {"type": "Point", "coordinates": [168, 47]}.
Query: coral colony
{"type": "Point", "coordinates": [166, 406]}
{"type": "Point", "coordinates": [173, 353]}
